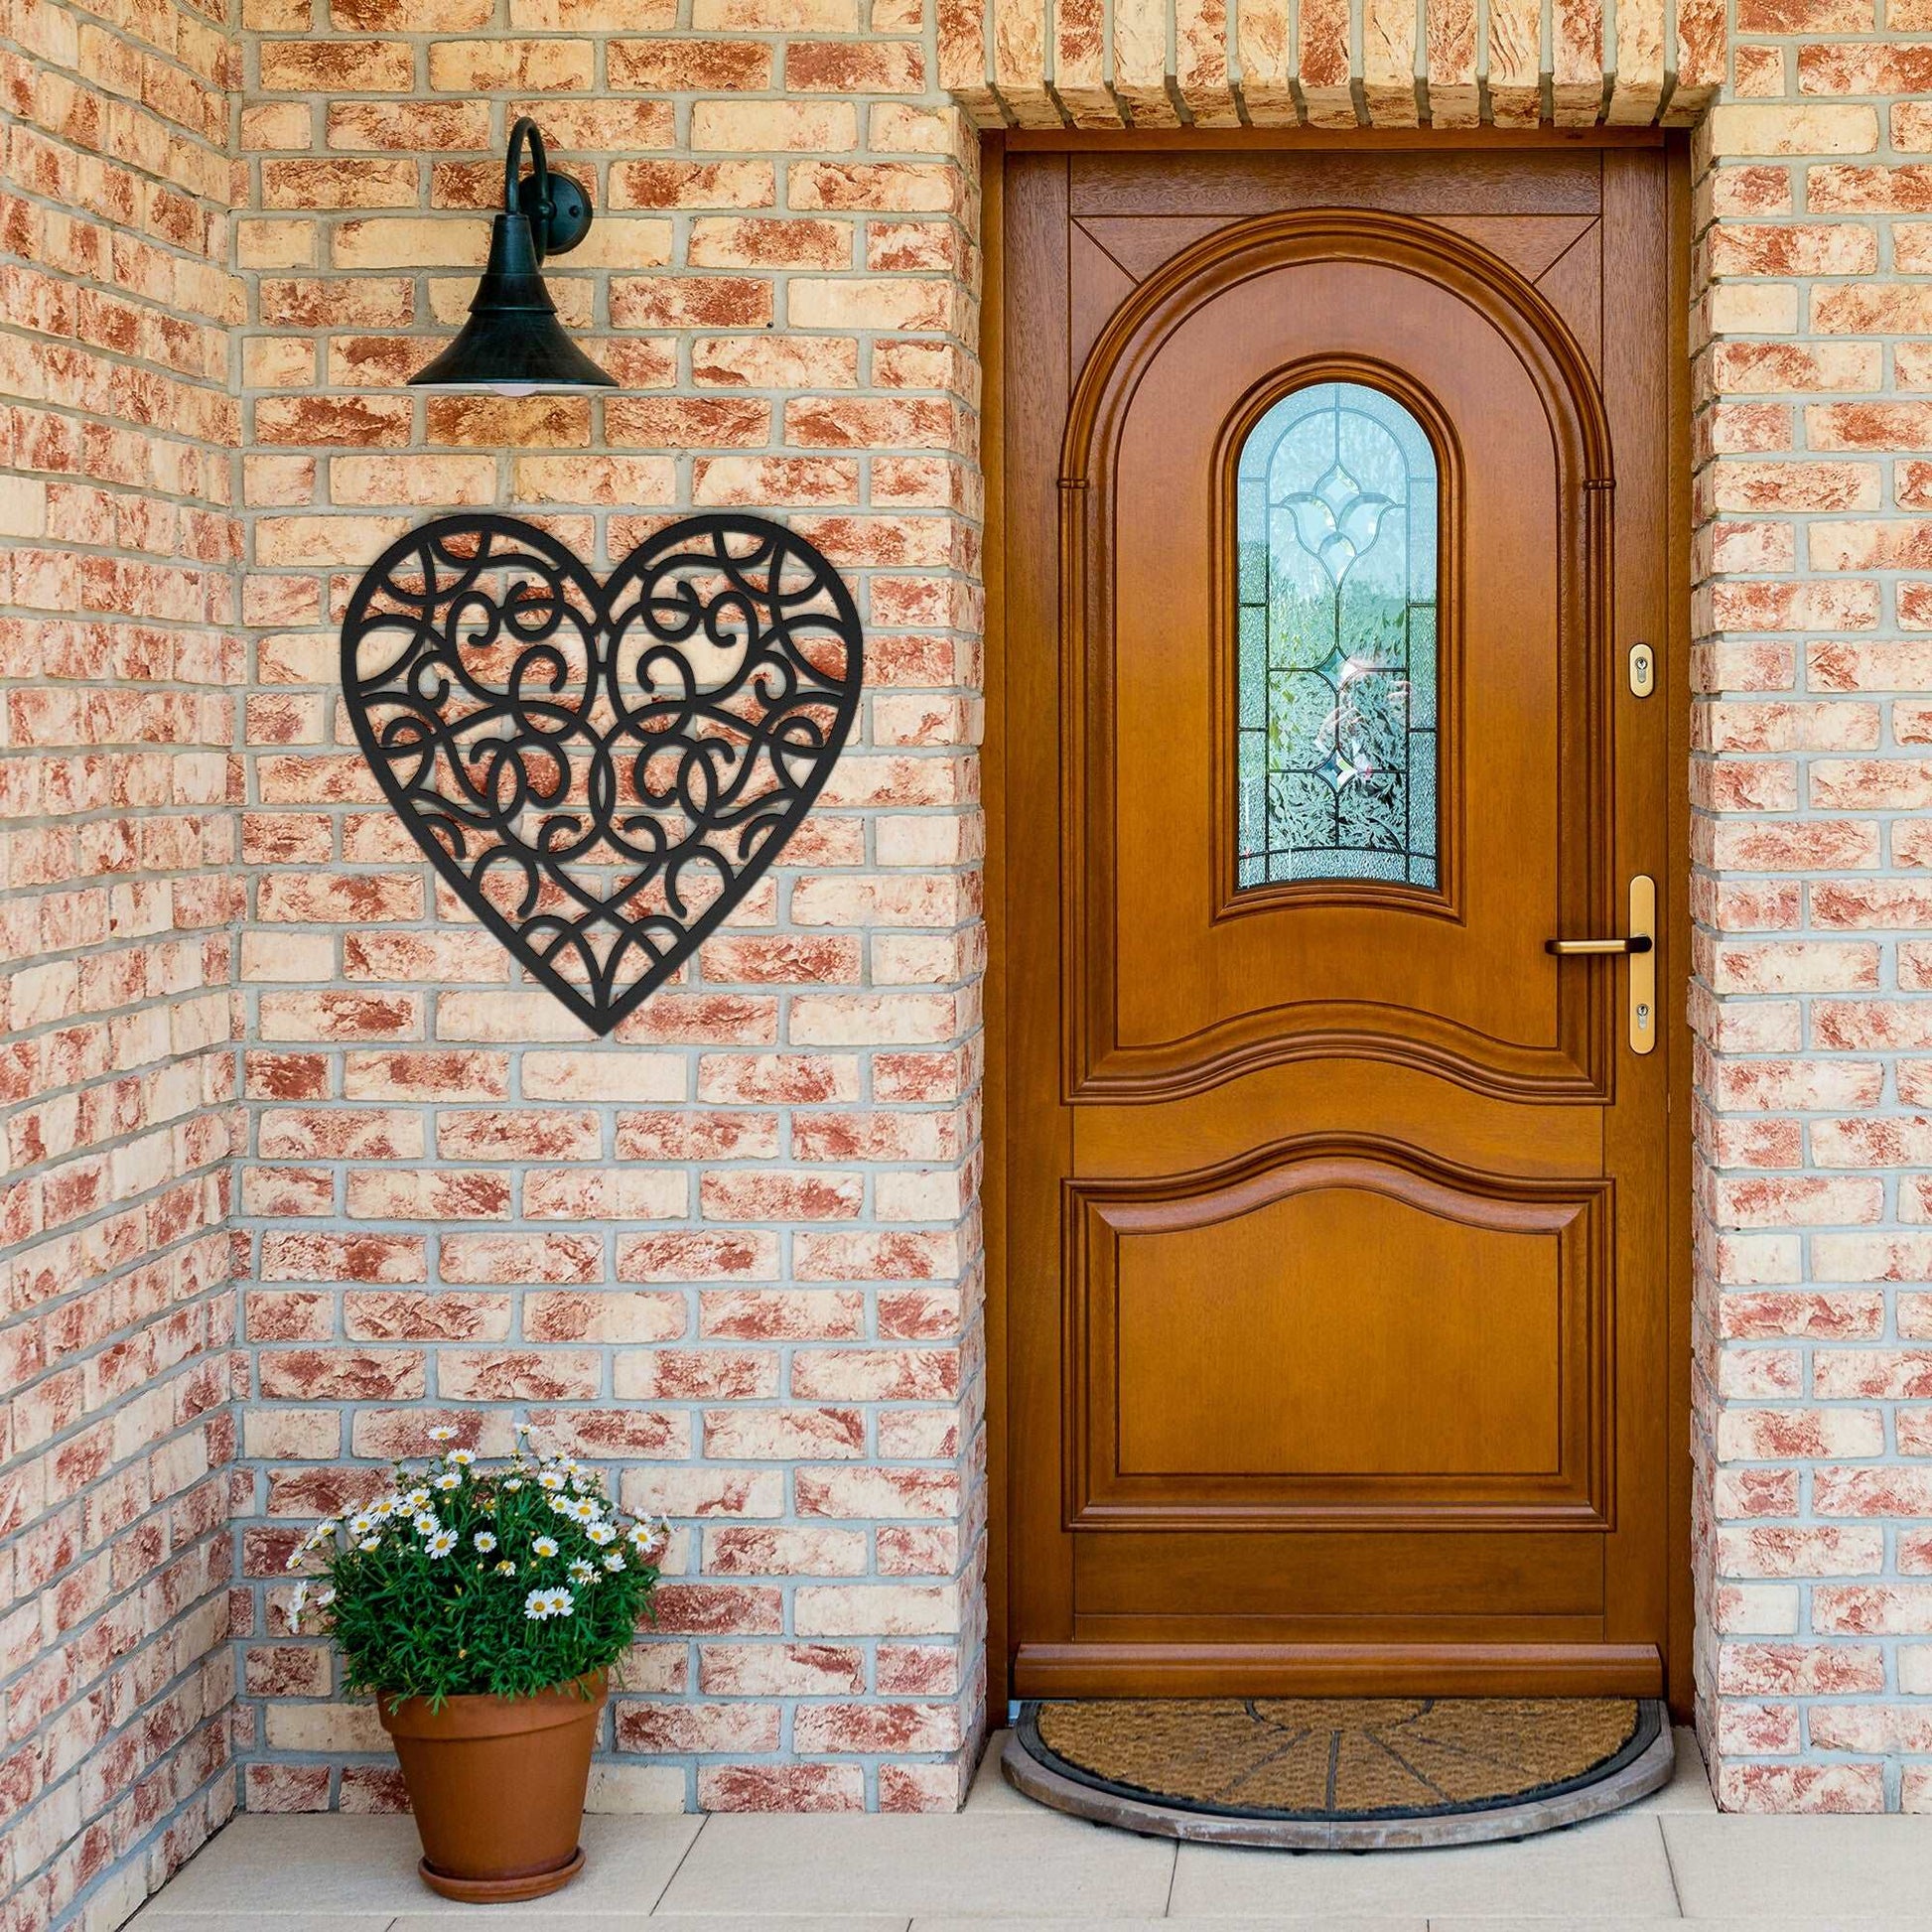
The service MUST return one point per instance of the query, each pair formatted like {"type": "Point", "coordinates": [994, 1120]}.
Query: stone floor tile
{"type": "Point", "coordinates": [269, 1868]}
{"type": "Point", "coordinates": [160, 1914]}
{"type": "Point", "coordinates": [1614, 1868]}
{"type": "Point", "coordinates": [991, 1791]}
{"type": "Point", "coordinates": [1689, 1788]}
{"type": "Point", "coordinates": [1145, 1925]}
{"type": "Point", "coordinates": [627, 1863]}
{"type": "Point", "coordinates": [1005, 1865]}
{"type": "Point", "coordinates": [705, 1922]}
{"type": "Point", "coordinates": [261, 1867]}
{"type": "Point", "coordinates": [1762, 1923]}
{"type": "Point", "coordinates": [559, 1915]}
{"type": "Point", "coordinates": [1834, 1868]}
{"type": "Point", "coordinates": [1479, 1923]}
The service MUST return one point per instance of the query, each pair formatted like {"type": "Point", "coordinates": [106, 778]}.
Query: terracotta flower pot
{"type": "Point", "coordinates": [497, 1787]}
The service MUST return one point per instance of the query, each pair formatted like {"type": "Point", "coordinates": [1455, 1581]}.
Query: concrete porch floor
{"type": "Point", "coordinates": [1671, 1859]}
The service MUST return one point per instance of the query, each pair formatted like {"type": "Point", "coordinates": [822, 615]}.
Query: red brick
{"type": "Point", "coordinates": [781, 1787]}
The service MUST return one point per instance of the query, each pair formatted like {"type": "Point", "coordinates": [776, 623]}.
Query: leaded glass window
{"type": "Point", "coordinates": [1336, 665]}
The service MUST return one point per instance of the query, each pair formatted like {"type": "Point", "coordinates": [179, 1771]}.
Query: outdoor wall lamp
{"type": "Point", "coordinates": [513, 345]}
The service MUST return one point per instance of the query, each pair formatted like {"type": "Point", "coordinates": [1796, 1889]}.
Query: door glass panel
{"type": "Point", "coordinates": [1335, 675]}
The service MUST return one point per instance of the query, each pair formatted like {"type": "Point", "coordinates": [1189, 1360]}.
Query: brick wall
{"type": "Point", "coordinates": [731, 1253]}
{"type": "Point", "coordinates": [1814, 1438]}
{"type": "Point", "coordinates": [119, 659]}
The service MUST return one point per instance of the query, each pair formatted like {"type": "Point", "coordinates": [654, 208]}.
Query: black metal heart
{"type": "Point", "coordinates": [602, 772]}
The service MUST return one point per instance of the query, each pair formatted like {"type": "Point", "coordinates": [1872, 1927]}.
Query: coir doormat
{"type": "Point", "coordinates": [1352, 1773]}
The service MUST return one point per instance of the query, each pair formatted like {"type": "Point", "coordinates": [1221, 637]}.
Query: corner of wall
{"type": "Point", "coordinates": [120, 675]}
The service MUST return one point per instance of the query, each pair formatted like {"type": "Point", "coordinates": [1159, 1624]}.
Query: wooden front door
{"type": "Point", "coordinates": [1336, 1242]}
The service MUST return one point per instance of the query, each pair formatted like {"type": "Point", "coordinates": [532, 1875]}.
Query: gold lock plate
{"type": "Point", "coordinates": [1643, 964]}
{"type": "Point", "coordinates": [1643, 670]}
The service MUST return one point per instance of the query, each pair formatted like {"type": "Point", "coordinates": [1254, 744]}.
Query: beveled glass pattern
{"type": "Point", "coordinates": [1336, 663]}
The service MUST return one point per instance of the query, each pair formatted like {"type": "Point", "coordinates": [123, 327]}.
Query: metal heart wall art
{"type": "Point", "coordinates": [602, 772]}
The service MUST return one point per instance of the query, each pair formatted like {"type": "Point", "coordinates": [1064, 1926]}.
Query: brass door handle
{"type": "Point", "coordinates": [1573, 948]}
{"type": "Point", "coordinates": [1640, 945]}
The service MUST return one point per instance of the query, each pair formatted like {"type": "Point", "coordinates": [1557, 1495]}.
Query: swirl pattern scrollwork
{"type": "Point", "coordinates": [602, 772]}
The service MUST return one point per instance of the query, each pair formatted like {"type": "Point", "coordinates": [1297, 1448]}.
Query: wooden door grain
{"type": "Point", "coordinates": [1337, 1239]}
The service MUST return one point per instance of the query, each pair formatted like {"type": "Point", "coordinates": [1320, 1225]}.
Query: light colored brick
{"type": "Point", "coordinates": [1809, 128]}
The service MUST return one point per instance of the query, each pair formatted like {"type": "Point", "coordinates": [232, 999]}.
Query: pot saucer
{"type": "Point", "coordinates": [502, 1892]}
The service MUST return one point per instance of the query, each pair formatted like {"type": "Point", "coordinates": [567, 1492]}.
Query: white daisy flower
{"type": "Point", "coordinates": [602, 1533]}
{"type": "Point", "coordinates": [442, 1433]}
{"type": "Point", "coordinates": [506, 1568]}
{"type": "Point", "coordinates": [450, 1479]}
{"type": "Point", "coordinates": [544, 1546]}
{"type": "Point", "coordinates": [581, 1572]}
{"type": "Point", "coordinates": [442, 1543]}
{"type": "Point", "coordinates": [461, 1458]}
{"type": "Point", "coordinates": [562, 1602]}
{"type": "Point", "coordinates": [513, 1482]}
{"type": "Point", "coordinates": [614, 1561]}
{"type": "Point", "coordinates": [541, 1604]}
{"type": "Point", "coordinates": [486, 1540]}
{"type": "Point", "coordinates": [416, 1498]}
{"type": "Point", "coordinates": [426, 1523]}
{"type": "Point", "coordinates": [370, 1543]}
{"type": "Point", "coordinates": [551, 1480]}
{"type": "Point", "coordinates": [362, 1522]}
{"type": "Point", "coordinates": [324, 1597]}
{"type": "Point", "coordinates": [583, 1510]}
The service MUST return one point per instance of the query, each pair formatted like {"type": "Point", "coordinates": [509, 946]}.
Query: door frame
{"type": "Point", "coordinates": [995, 147]}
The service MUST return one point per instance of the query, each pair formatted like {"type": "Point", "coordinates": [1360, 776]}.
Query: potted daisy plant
{"type": "Point", "coordinates": [483, 1606]}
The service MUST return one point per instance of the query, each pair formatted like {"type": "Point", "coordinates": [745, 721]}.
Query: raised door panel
{"type": "Point", "coordinates": [1338, 1334]}
{"type": "Point", "coordinates": [1341, 1333]}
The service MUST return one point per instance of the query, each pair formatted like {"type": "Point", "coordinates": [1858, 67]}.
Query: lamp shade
{"type": "Point", "coordinates": [513, 342]}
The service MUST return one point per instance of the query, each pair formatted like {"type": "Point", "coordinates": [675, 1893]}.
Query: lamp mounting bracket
{"type": "Point", "coordinates": [557, 209]}
{"type": "Point", "coordinates": [569, 218]}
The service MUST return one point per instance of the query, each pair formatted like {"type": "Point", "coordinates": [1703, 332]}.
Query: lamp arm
{"type": "Point", "coordinates": [525, 129]}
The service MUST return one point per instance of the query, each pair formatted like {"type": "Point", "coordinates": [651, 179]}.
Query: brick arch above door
{"type": "Point", "coordinates": [1153, 64]}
